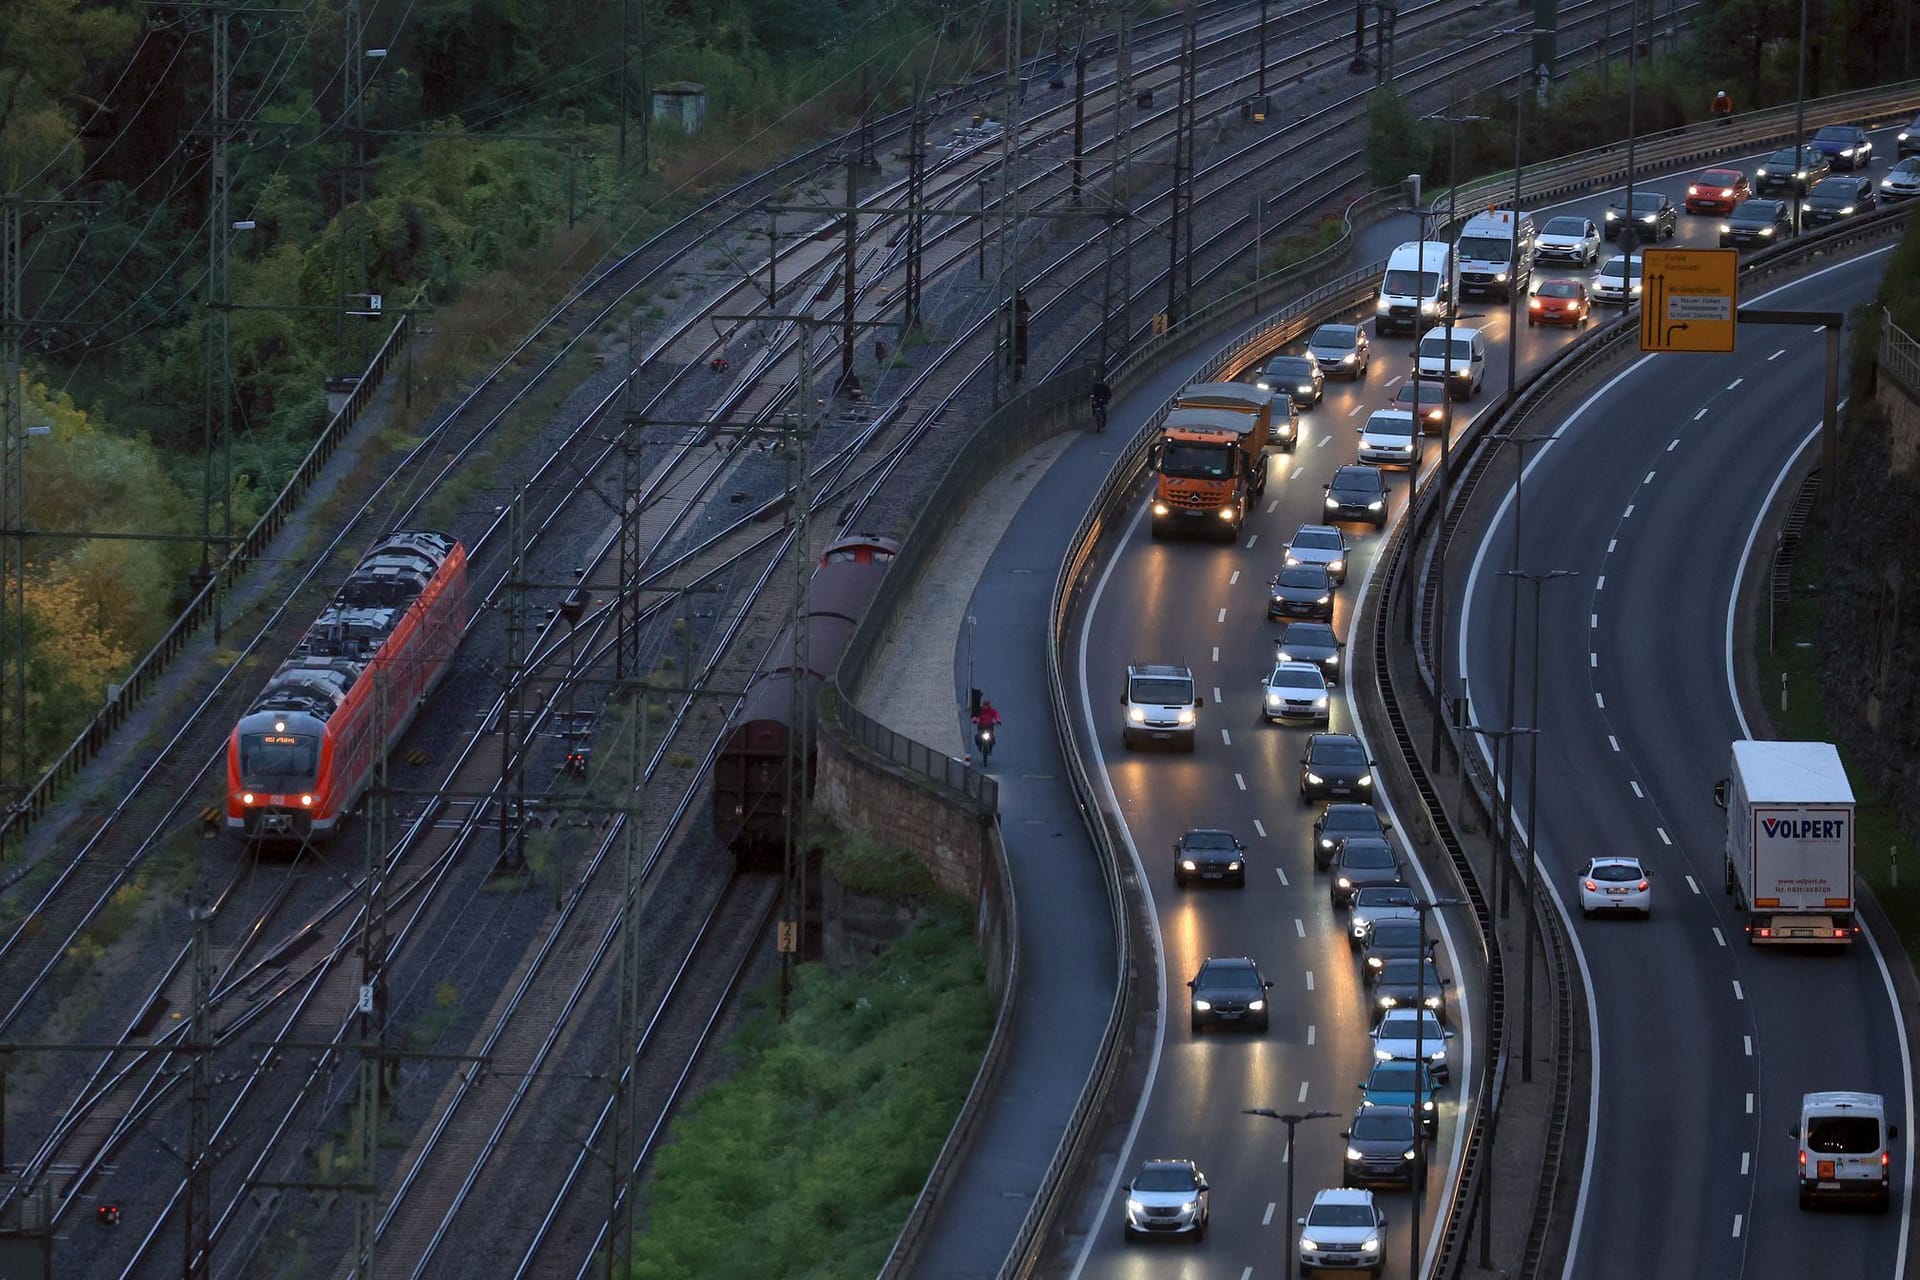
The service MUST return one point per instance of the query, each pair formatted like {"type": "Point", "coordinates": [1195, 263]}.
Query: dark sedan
{"type": "Point", "coordinates": [1229, 989]}
{"type": "Point", "coordinates": [1341, 351]}
{"type": "Point", "coordinates": [1426, 399]}
{"type": "Point", "coordinates": [1313, 642]}
{"type": "Point", "coordinates": [1653, 213]}
{"type": "Point", "coordinates": [1907, 141]}
{"type": "Point", "coordinates": [1335, 764]}
{"type": "Point", "coordinates": [1360, 493]}
{"type": "Point", "coordinates": [1301, 591]}
{"type": "Point", "coordinates": [1206, 854]}
{"type": "Point", "coordinates": [1383, 1146]}
{"type": "Point", "coordinates": [1757, 222]}
{"type": "Point", "coordinates": [1781, 171]}
{"type": "Point", "coordinates": [1838, 198]}
{"type": "Point", "coordinates": [1400, 985]}
{"type": "Point", "coordinates": [1339, 821]}
{"type": "Point", "coordinates": [1365, 862]}
{"type": "Point", "coordinates": [1297, 377]}
{"type": "Point", "coordinates": [1848, 146]}
{"type": "Point", "coordinates": [1393, 940]}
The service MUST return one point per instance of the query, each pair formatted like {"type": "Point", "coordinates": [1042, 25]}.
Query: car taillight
{"type": "Point", "coordinates": [1883, 1159]}
{"type": "Point", "coordinates": [1839, 933]}
{"type": "Point", "coordinates": [1592, 887]}
{"type": "Point", "coordinates": [1803, 1162]}
{"type": "Point", "coordinates": [1643, 886]}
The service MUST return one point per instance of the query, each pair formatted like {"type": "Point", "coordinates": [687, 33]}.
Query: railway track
{"type": "Point", "coordinates": [308, 990]}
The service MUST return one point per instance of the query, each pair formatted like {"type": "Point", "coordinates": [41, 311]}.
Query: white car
{"type": "Point", "coordinates": [1167, 1197]}
{"type": "Point", "coordinates": [1344, 1229]}
{"type": "Point", "coordinates": [1564, 239]}
{"type": "Point", "coordinates": [1379, 902]}
{"type": "Point", "coordinates": [1611, 284]}
{"type": "Point", "coordinates": [1615, 884]}
{"type": "Point", "coordinates": [1400, 1034]}
{"type": "Point", "coordinates": [1902, 181]}
{"type": "Point", "coordinates": [1389, 439]}
{"type": "Point", "coordinates": [1320, 544]}
{"type": "Point", "coordinates": [1294, 691]}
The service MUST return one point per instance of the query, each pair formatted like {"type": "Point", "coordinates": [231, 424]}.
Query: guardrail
{"type": "Point", "coordinates": [1899, 355]}
{"type": "Point", "coordinates": [88, 743]}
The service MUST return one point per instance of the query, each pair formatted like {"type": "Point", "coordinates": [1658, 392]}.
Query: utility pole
{"type": "Point", "coordinates": [371, 1006]}
{"type": "Point", "coordinates": [512, 850]}
{"type": "Point", "coordinates": [352, 242]}
{"type": "Point", "coordinates": [218, 406]}
{"type": "Point", "coordinates": [13, 503]}
{"type": "Point", "coordinates": [1116, 276]}
{"type": "Point", "coordinates": [848, 283]}
{"type": "Point", "coordinates": [916, 157]}
{"type": "Point", "coordinates": [1080, 108]}
{"type": "Point", "coordinates": [1180, 220]}
{"type": "Point", "coordinates": [1007, 368]}
{"type": "Point", "coordinates": [195, 1262]}
{"type": "Point", "coordinates": [632, 960]}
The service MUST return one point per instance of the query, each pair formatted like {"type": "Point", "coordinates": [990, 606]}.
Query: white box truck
{"type": "Point", "coordinates": [1495, 250]}
{"type": "Point", "coordinates": [1790, 841]}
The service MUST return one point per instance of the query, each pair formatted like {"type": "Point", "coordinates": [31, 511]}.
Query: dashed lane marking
{"type": "Point", "coordinates": [1223, 615]}
{"type": "Point", "coordinates": [1738, 994]}
{"type": "Point", "coordinates": [1717, 937]}
{"type": "Point", "coordinates": [1300, 926]}
{"type": "Point", "coordinates": [1309, 1035]}
{"type": "Point", "coordinates": [1309, 979]}
{"type": "Point", "coordinates": [1736, 382]}
{"type": "Point", "coordinates": [1673, 444]}
{"type": "Point", "coordinates": [1649, 479]}
{"type": "Point", "coordinates": [1736, 1226]}
{"type": "Point", "coordinates": [1600, 583]}
{"type": "Point", "coordinates": [1237, 777]}
{"type": "Point", "coordinates": [1664, 837]}
{"type": "Point", "coordinates": [1251, 539]}
{"type": "Point", "coordinates": [1599, 701]}
{"type": "Point", "coordinates": [1748, 1042]}
{"type": "Point", "coordinates": [1234, 579]}
{"type": "Point", "coordinates": [1303, 1091]}
{"type": "Point", "coordinates": [1699, 415]}
{"type": "Point", "coordinates": [1226, 738]}
{"type": "Point", "coordinates": [1776, 355]}
{"type": "Point", "coordinates": [1628, 515]}
{"type": "Point", "coordinates": [1260, 827]}
{"type": "Point", "coordinates": [1216, 653]}
{"type": "Point", "coordinates": [1638, 794]}
{"type": "Point", "coordinates": [1693, 885]}
{"type": "Point", "coordinates": [1284, 882]}
{"type": "Point", "coordinates": [1613, 742]}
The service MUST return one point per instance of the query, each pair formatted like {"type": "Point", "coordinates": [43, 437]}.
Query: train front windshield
{"type": "Point", "coordinates": [269, 758]}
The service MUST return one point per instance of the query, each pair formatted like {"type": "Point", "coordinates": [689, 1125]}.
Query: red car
{"type": "Point", "coordinates": [1717, 191]}
{"type": "Point", "coordinates": [1559, 302]}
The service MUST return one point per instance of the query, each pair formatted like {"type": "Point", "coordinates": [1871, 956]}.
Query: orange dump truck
{"type": "Point", "coordinates": [1212, 465]}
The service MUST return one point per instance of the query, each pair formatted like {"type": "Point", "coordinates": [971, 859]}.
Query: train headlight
{"type": "Point", "coordinates": [246, 797]}
{"type": "Point", "coordinates": [306, 802]}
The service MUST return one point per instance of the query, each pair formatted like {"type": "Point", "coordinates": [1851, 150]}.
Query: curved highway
{"type": "Point", "coordinates": [1670, 1121]}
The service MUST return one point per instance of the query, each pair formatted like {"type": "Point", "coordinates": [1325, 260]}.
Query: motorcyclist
{"type": "Point", "coordinates": [1722, 108]}
{"type": "Point", "coordinates": [985, 722]}
{"type": "Point", "coordinates": [1100, 397]}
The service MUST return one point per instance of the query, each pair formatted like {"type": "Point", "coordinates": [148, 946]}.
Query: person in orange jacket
{"type": "Point", "coordinates": [1722, 107]}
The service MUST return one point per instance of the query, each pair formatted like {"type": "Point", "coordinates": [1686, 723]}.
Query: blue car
{"type": "Point", "coordinates": [1846, 145]}
{"type": "Point", "coordinates": [1403, 1084]}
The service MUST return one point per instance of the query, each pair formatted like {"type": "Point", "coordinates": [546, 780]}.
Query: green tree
{"type": "Point", "coordinates": [47, 48]}
{"type": "Point", "coordinates": [1397, 143]}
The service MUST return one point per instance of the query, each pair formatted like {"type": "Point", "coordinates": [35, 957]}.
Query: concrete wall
{"type": "Point", "coordinates": [861, 792]}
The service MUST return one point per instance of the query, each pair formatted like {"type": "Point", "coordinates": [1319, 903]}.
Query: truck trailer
{"type": "Point", "coordinates": [1790, 842]}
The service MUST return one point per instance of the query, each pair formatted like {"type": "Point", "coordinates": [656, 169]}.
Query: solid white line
{"type": "Point", "coordinates": [1284, 882]}
{"type": "Point", "coordinates": [1736, 382]}
{"type": "Point", "coordinates": [1637, 793]}
{"type": "Point", "coordinates": [1738, 994]}
{"type": "Point", "coordinates": [1664, 837]}
{"type": "Point", "coordinates": [1613, 742]}
{"type": "Point", "coordinates": [1300, 926]}
{"type": "Point", "coordinates": [1309, 979]}
{"type": "Point", "coordinates": [1260, 827]}
{"type": "Point", "coordinates": [1233, 578]}
{"type": "Point", "coordinates": [1695, 887]}
{"type": "Point", "coordinates": [1717, 936]}
{"type": "Point", "coordinates": [1237, 778]}
{"type": "Point", "coordinates": [1699, 415]}
{"type": "Point", "coordinates": [1748, 1041]}
{"type": "Point", "coordinates": [1223, 615]}
{"type": "Point", "coordinates": [1266, 1219]}
{"type": "Point", "coordinates": [1303, 1091]}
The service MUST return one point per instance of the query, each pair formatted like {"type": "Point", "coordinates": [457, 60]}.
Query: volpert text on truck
{"type": "Point", "coordinates": [1790, 842]}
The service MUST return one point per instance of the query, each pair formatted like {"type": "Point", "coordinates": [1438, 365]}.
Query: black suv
{"type": "Point", "coordinates": [1383, 1146]}
{"type": "Point", "coordinates": [1297, 377]}
{"type": "Point", "coordinates": [1776, 173]}
{"type": "Point", "coordinates": [1335, 764]}
{"type": "Point", "coordinates": [1757, 222]}
{"type": "Point", "coordinates": [1655, 214]}
{"type": "Point", "coordinates": [1207, 854]}
{"type": "Point", "coordinates": [1338, 821]}
{"type": "Point", "coordinates": [1838, 198]}
{"type": "Point", "coordinates": [1229, 989]}
{"type": "Point", "coordinates": [1357, 493]}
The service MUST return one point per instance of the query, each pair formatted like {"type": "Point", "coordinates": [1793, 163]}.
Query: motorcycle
{"type": "Point", "coordinates": [983, 741]}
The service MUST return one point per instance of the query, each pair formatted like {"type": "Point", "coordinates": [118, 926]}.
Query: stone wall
{"type": "Point", "coordinates": [1870, 626]}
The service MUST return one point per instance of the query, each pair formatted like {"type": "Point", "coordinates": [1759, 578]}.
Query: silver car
{"type": "Point", "coordinates": [1379, 902]}
{"type": "Point", "coordinates": [1320, 544]}
{"type": "Point", "coordinates": [1342, 350]}
{"type": "Point", "coordinates": [1563, 239]}
{"type": "Point", "coordinates": [1166, 1198]}
{"type": "Point", "coordinates": [1294, 691]}
{"type": "Point", "coordinates": [1612, 284]}
{"type": "Point", "coordinates": [1902, 181]}
{"type": "Point", "coordinates": [1389, 439]}
{"type": "Point", "coordinates": [1404, 1034]}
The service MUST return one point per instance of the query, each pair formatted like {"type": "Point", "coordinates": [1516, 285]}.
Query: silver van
{"type": "Point", "coordinates": [1845, 1148]}
{"type": "Point", "coordinates": [1161, 705]}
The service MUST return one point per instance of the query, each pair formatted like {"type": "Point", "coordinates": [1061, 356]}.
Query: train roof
{"type": "Point", "coordinates": [863, 547]}
{"type": "Point", "coordinates": [356, 622]}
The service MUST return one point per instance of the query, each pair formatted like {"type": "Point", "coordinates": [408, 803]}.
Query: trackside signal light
{"type": "Point", "coordinates": [108, 1215]}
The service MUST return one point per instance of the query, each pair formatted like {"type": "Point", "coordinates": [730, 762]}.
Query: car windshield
{"type": "Point", "coordinates": [1615, 871]}
{"type": "Point", "coordinates": [1367, 857]}
{"type": "Point", "coordinates": [1338, 751]}
{"type": "Point", "coordinates": [1397, 933]}
{"type": "Point", "coordinates": [1198, 461]}
{"type": "Point", "coordinates": [1305, 634]}
{"type": "Point", "coordinates": [1209, 840]}
{"type": "Point", "coordinates": [1910, 165]}
{"type": "Point", "coordinates": [1427, 392]}
{"type": "Point", "coordinates": [1317, 540]}
{"type": "Point", "coordinates": [1616, 268]}
{"type": "Point", "coordinates": [1400, 1022]}
{"type": "Point", "coordinates": [1340, 1215]}
{"type": "Point", "coordinates": [1286, 678]}
{"type": "Point", "coordinates": [1365, 483]}
{"type": "Point", "coordinates": [1412, 284]}
{"type": "Point", "coordinates": [1163, 691]}
{"type": "Point", "coordinates": [1230, 976]}
{"type": "Point", "coordinates": [1566, 227]}
{"type": "Point", "coordinates": [1334, 337]}
{"type": "Point", "coordinates": [1757, 211]}
{"type": "Point", "coordinates": [1370, 1126]}
{"type": "Point", "coordinates": [1836, 133]}
{"type": "Point", "coordinates": [1719, 177]}
{"type": "Point", "coordinates": [1310, 576]}
{"type": "Point", "coordinates": [1163, 1177]}
{"type": "Point", "coordinates": [1643, 201]}
{"type": "Point", "coordinates": [1434, 346]}
{"type": "Point", "coordinates": [1408, 971]}
{"type": "Point", "coordinates": [1783, 158]}
{"type": "Point", "coordinates": [1836, 189]}
{"type": "Point", "coordinates": [1559, 289]}
{"type": "Point", "coordinates": [1398, 895]}
{"type": "Point", "coordinates": [1843, 1135]}
{"type": "Point", "coordinates": [1485, 248]}
{"type": "Point", "coordinates": [1352, 817]}
{"type": "Point", "coordinates": [1290, 367]}
{"type": "Point", "coordinates": [1383, 424]}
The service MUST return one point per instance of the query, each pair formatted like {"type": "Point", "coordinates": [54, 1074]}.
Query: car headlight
{"type": "Point", "coordinates": [1263, 384]}
{"type": "Point", "coordinates": [1724, 228]}
{"type": "Point", "coordinates": [1381, 306]}
{"type": "Point", "coordinates": [1766, 231]}
{"type": "Point", "coordinates": [1760, 172]}
{"type": "Point", "coordinates": [1137, 714]}
{"type": "Point", "coordinates": [1320, 701]}
{"type": "Point", "coordinates": [1292, 560]}
{"type": "Point", "coordinates": [1430, 306]}
{"type": "Point", "coordinates": [1347, 358]}
{"type": "Point", "coordinates": [1234, 865]}
{"type": "Point", "coordinates": [1437, 1055]}
{"type": "Point", "coordinates": [1202, 1006]}
{"type": "Point", "coordinates": [1366, 780]}
{"type": "Point", "coordinates": [1382, 1055]}
{"type": "Point", "coordinates": [1801, 175]}
{"type": "Point", "coordinates": [1135, 1208]}
{"type": "Point", "coordinates": [1283, 656]}
{"type": "Point", "coordinates": [1614, 216]}
{"type": "Point", "coordinates": [1323, 600]}
{"type": "Point", "coordinates": [1726, 193]}
{"type": "Point", "coordinates": [1375, 962]}
{"type": "Point", "coordinates": [1648, 217]}
{"type": "Point", "coordinates": [1500, 277]}
{"type": "Point", "coordinates": [1256, 1006]}
{"type": "Point", "coordinates": [1332, 501]}
{"type": "Point", "coordinates": [1326, 842]}
{"type": "Point", "coordinates": [1411, 1153]}
{"type": "Point", "coordinates": [1534, 304]}
{"type": "Point", "coordinates": [1187, 864]}
{"type": "Point", "coordinates": [1306, 1243]}
{"type": "Point", "coordinates": [1345, 883]}
{"type": "Point", "coordinates": [1273, 699]}
{"type": "Point", "coordinates": [1333, 660]}
{"type": "Point", "coordinates": [1160, 508]}
{"type": "Point", "coordinates": [1389, 1002]}
{"type": "Point", "coordinates": [1901, 136]}
{"type": "Point", "coordinates": [1335, 566]}
{"type": "Point", "coordinates": [1427, 1105]}
{"type": "Point", "coordinates": [1314, 779]}
{"type": "Point", "coordinates": [1354, 1153]}
{"type": "Point", "coordinates": [1229, 513]}
{"type": "Point", "coordinates": [1375, 505]}
{"type": "Point", "coordinates": [1372, 1245]}
{"type": "Point", "coordinates": [1845, 210]}
{"type": "Point", "coordinates": [1186, 715]}
{"type": "Point", "coordinates": [1433, 1002]}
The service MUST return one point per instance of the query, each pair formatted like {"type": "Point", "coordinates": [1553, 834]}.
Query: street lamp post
{"type": "Point", "coordinates": [1292, 1120]}
{"type": "Point", "coordinates": [1538, 579]}
{"type": "Point", "coordinates": [1798, 186]}
{"type": "Point", "coordinates": [1421, 909]}
{"type": "Point", "coordinates": [1503, 796]}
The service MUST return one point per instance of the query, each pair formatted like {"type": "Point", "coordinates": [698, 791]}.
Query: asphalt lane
{"type": "Point", "coordinates": [1704, 1044]}
{"type": "Point", "coordinates": [1205, 605]}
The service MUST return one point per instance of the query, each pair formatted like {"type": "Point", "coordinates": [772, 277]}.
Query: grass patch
{"type": "Point", "coordinates": [808, 1160]}
{"type": "Point", "coordinates": [1797, 655]}
{"type": "Point", "coordinates": [868, 867]}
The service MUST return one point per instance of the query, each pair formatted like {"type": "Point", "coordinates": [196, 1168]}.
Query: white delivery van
{"type": "Point", "coordinates": [1846, 1148]}
{"type": "Point", "coordinates": [1417, 288]}
{"type": "Point", "coordinates": [1486, 250]}
{"type": "Point", "coordinates": [1161, 703]}
{"type": "Point", "coordinates": [1455, 356]}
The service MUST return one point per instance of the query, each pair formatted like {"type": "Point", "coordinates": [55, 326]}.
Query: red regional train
{"type": "Point", "coordinates": [750, 773]}
{"type": "Point", "coordinates": [300, 757]}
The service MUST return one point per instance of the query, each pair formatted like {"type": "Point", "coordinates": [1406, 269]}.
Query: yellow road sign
{"type": "Point", "coordinates": [1688, 299]}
